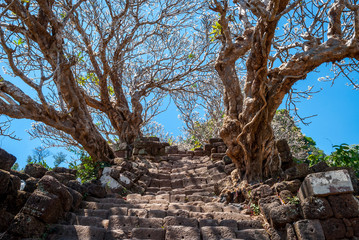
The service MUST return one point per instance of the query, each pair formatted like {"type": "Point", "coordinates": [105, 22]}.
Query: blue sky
{"type": "Point", "coordinates": [336, 106]}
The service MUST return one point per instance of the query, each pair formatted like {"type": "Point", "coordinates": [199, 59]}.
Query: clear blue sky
{"type": "Point", "coordinates": [337, 122]}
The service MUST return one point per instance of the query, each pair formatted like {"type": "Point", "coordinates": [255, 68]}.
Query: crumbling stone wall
{"type": "Point", "coordinates": [46, 198]}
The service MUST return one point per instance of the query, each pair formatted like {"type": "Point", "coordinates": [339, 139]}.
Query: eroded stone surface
{"type": "Point", "coordinates": [309, 229]}
{"type": "Point", "coordinates": [325, 184]}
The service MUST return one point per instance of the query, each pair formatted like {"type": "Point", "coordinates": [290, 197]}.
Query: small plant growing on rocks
{"type": "Point", "coordinates": [293, 200]}
{"type": "Point", "coordinates": [254, 209]}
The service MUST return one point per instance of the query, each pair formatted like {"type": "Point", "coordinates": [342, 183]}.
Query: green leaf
{"type": "Point", "coordinates": [191, 56]}
{"type": "Point", "coordinates": [19, 41]}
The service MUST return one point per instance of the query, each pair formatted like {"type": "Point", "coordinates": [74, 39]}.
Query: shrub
{"type": "Point", "coordinates": [343, 156]}
{"type": "Point", "coordinates": [87, 169]}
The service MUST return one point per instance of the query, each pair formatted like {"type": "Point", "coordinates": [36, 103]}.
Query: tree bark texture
{"type": "Point", "coordinates": [247, 125]}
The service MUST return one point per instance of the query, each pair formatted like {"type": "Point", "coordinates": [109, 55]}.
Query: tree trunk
{"type": "Point", "coordinates": [251, 146]}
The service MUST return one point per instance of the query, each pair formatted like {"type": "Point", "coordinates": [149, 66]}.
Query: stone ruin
{"type": "Point", "coordinates": [167, 193]}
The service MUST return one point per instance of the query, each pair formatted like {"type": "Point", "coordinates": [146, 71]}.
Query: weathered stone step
{"type": "Point", "coordinates": [148, 233]}
{"type": "Point", "coordinates": [91, 221]}
{"type": "Point", "coordinates": [103, 213]}
{"type": "Point", "coordinates": [217, 232]}
{"type": "Point", "coordinates": [181, 232]}
{"type": "Point", "coordinates": [253, 234]}
{"type": "Point", "coordinates": [75, 232]}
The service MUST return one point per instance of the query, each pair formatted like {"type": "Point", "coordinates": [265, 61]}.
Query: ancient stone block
{"type": "Point", "coordinates": [229, 223]}
{"type": "Point", "coordinates": [35, 170]}
{"type": "Point", "coordinates": [4, 181]}
{"type": "Point", "coordinates": [116, 234]}
{"type": "Point", "coordinates": [45, 206]}
{"type": "Point", "coordinates": [14, 202]}
{"type": "Point", "coordinates": [117, 222]}
{"type": "Point", "coordinates": [344, 206]}
{"type": "Point", "coordinates": [208, 222]}
{"type": "Point", "coordinates": [309, 229]}
{"type": "Point", "coordinates": [52, 185]}
{"type": "Point", "coordinates": [80, 232]}
{"type": "Point", "coordinates": [316, 208]}
{"type": "Point", "coordinates": [171, 149]}
{"type": "Point", "coordinates": [249, 224]}
{"type": "Point", "coordinates": [178, 213]}
{"type": "Point", "coordinates": [333, 228]}
{"type": "Point", "coordinates": [266, 204]}
{"type": "Point", "coordinates": [118, 211]}
{"type": "Point", "coordinates": [355, 226]}
{"type": "Point", "coordinates": [76, 198]}
{"type": "Point", "coordinates": [326, 183]}
{"type": "Point", "coordinates": [95, 190]}
{"type": "Point", "coordinates": [148, 233]}
{"type": "Point", "coordinates": [180, 232]}
{"type": "Point", "coordinates": [6, 160]}
{"type": "Point", "coordinates": [217, 156]}
{"type": "Point", "coordinates": [252, 234]}
{"type": "Point", "coordinates": [235, 216]}
{"type": "Point", "coordinates": [178, 198]}
{"type": "Point", "coordinates": [290, 232]}
{"type": "Point", "coordinates": [319, 167]}
{"type": "Point", "coordinates": [285, 195]}
{"type": "Point", "coordinates": [110, 183]}
{"type": "Point", "coordinates": [283, 214]}
{"type": "Point", "coordinates": [217, 232]}
{"type": "Point", "coordinates": [151, 222]}
{"type": "Point", "coordinates": [292, 186]}
{"type": "Point", "coordinates": [297, 172]}
{"type": "Point", "coordinates": [262, 191]}
{"type": "Point", "coordinates": [5, 220]}
{"type": "Point", "coordinates": [180, 221]}
{"type": "Point", "coordinates": [157, 214]}
{"type": "Point", "coordinates": [26, 226]}
{"type": "Point", "coordinates": [210, 208]}
{"type": "Point", "coordinates": [141, 213]}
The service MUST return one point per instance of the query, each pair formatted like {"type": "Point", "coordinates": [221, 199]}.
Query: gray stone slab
{"type": "Point", "coordinates": [326, 183]}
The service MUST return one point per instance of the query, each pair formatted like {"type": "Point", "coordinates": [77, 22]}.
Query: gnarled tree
{"type": "Point", "coordinates": [281, 41]}
{"type": "Point", "coordinates": [91, 60]}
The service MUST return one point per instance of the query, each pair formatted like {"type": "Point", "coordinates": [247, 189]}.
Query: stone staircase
{"type": "Point", "coordinates": [179, 203]}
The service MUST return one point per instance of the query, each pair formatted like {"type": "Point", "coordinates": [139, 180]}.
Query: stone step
{"type": "Point", "coordinates": [217, 232]}
{"type": "Point", "coordinates": [75, 232]}
{"type": "Point", "coordinates": [91, 221]}
{"type": "Point", "coordinates": [180, 221]}
{"type": "Point", "coordinates": [113, 200]}
{"type": "Point", "coordinates": [181, 232]}
{"type": "Point", "coordinates": [148, 233]}
{"type": "Point", "coordinates": [93, 213]}
{"type": "Point", "coordinates": [253, 234]}
{"type": "Point", "coordinates": [105, 206]}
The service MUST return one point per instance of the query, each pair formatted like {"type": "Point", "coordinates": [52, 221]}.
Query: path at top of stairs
{"type": "Point", "coordinates": [176, 205]}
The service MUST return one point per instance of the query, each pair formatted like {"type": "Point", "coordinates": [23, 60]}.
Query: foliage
{"type": "Point", "coordinates": [121, 60]}
{"type": "Point", "coordinates": [293, 200]}
{"type": "Point", "coordinates": [38, 157]}
{"type": "Point", "coordinates": [201, 130]}
{"type": "Point", "coordinates": [254, 209]}
{"type": "Point", "coordinates": [15, 167]}
{"type": "Point", "coordinates": [216, 31]}
{"type": "Point", "coordinates": [343, 156]}
{"type": "Point", "coordinates": [87, 169]}
{"type": "Point", "coordinates": [59, 158]}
